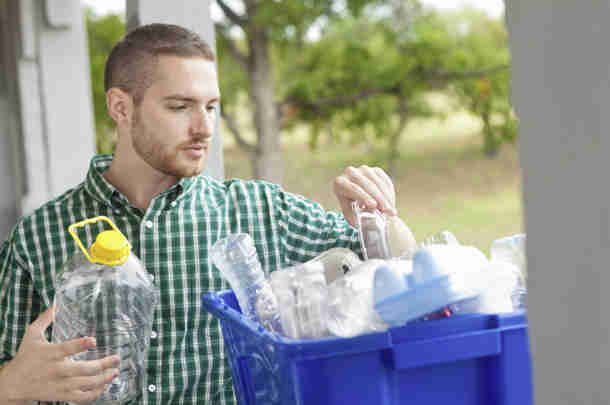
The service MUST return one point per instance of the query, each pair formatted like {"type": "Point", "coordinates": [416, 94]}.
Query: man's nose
{"type": "Point", "coordinates": [203, 122]}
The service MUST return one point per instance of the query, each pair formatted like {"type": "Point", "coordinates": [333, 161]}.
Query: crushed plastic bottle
{"type": "Point", "coordinates": [351, 302]}
{"type": "Point", "coordinates": [238, 262]}
{"type": "Point", "coordinates": [107, 294]}
{"type": "Point", "coordinates": [511, 249]}
{"type": "Point", "coordinates": [336, 262]}
{"type": "Point", "coordinates": [301, 293]}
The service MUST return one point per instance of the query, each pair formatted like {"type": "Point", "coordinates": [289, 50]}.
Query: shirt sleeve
{"type": "Point", "coordinates": [19, 304]}
{"type": "Point", "coordinates": [307, 229]}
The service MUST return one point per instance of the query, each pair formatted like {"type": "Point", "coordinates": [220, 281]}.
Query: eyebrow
{"type": "Point", "coordinates": [179, 97]}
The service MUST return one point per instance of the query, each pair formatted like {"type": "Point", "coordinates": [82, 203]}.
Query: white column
{"type": "Point", "coordinates": [191, 14]}
{"type": "Point", "coordinates": [65, 91]}
{"type": "Point", "coordinates": [46, 116]}
{"type": "Point", "coordinates": [561, 91]}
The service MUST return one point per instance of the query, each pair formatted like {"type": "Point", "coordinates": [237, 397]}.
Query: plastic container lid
{"type": "Point", "coordinates": [111, 248]}
{"type": "Point", "coordinates": [442, 275]}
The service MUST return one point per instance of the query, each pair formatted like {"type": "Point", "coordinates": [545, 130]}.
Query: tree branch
{"type": "Point", "coordinates": [232, 15]}
{"type": "Point", "coordinates": [446, 76]}
{"type": "Point", "coordinates": [234, 51]}
{"type": "Point", "coordinates": [232, 125]}
{"type": "Point", "coordinates": [338, 100]}
{"type": "Point", "coordinates": [395, 89]}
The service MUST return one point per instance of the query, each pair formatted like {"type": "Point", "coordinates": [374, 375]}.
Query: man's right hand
{"type": "Point", "coordinates": [42, 371]}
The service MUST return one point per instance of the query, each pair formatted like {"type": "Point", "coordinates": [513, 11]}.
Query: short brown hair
{"type": "Point", "coordinates": [131, 63]}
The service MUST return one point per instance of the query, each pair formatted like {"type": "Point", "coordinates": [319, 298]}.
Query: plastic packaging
{"type": "Point", "coordinates": [511, 249]}
{"type": "Point", "coordinates": [441, 238]}
{"type": "Point", "coordinates": [373, 233]}
{"type": "Point", "coordinates": [301, 292]}
{"type": "Point", "coordinates": [383, 237]}
{"type": "Point", "coordinates": [400, 238]}
{"type": "Point", "coordinates": [107, 294]}
{"type": "Point", "coordinates": [302, 298]}
{"type": "Point", "coordinates": [351, 302]}
{"type": "Point", "coordinates": [238, 262]}
{"type": "Point", "coordinates": [498, 283]}
{"type": "Point", "coordinates": [336, 263]}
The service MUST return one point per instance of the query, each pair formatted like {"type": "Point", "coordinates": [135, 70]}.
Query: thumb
{"type": "Point", "coordinates": [40, 325]}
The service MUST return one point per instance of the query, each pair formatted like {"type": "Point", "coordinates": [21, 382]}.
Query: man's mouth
{"type": "Point", "coordinates": [196, 150]}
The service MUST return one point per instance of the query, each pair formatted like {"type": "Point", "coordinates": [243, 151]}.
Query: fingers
{"type": "Point", "coordinates": [383, 183]}
{"type": "Point", "coordinates": [40, 325]}
{"type": "Point", "coordinates": [388, 183]}
{"type": "Point", "coordinates": [369, 185]}
{"type": "Point", "coordinates": [72, 347]}
{"type": "Point", "coordinates": [91, 367]}
{"type": "Point", "coordinates": [92, 383]}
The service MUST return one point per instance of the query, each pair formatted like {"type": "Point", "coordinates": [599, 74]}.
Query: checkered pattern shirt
{"type": "Point", "coordinates": [186, 359]}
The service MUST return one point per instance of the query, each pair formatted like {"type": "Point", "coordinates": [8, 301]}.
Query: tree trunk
{"type": "Point", "coordinates": [394, 141]}
{"type": "Point", "coordinates": [491, 143]}
{"type": "Point", "coordinates": [268, 162]}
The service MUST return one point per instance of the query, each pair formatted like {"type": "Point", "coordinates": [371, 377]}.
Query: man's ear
{"type": "Point", "coordinates": [120, 106]}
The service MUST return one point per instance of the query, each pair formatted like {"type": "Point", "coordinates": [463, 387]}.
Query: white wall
{"type": "Point", "coordinates": [561, 90]}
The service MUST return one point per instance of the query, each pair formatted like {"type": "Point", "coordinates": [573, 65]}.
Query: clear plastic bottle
{"type": "Point", "coordinates": [302, 294]}
{"type": "Point", "coordinates": [238, 262]}
{"type": "Point", "coordinates": [511, 249]}
{"type": "Point", "coordinates": [107, 294]}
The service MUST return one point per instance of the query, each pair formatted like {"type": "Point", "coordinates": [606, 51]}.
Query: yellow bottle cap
{"type": "Point", "coordinates": [110, 248]}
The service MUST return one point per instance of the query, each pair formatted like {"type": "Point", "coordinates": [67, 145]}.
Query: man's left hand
{"type": "Point", "coordinates": [371, 186]}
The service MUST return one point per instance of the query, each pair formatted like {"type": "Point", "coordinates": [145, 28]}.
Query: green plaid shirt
{"type": "Point", "coordinates": [186, 360]}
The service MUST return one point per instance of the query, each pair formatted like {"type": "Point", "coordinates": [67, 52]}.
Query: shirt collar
{"type": "Point", "coordinates": [97, 185]}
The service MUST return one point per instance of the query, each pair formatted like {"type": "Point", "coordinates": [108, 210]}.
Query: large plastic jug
{"type": "Point", "coordinates": [106, 293]}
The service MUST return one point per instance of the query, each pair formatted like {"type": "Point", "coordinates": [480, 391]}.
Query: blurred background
{"type": "Point", "coordinates": [419, 88]}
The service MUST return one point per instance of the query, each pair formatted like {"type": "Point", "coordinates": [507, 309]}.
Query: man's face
{"type": "Point", "coordinates": [173, 125]}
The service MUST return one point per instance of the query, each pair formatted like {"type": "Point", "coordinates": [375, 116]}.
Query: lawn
{"type": "Point", "coordinates": [444, 182]}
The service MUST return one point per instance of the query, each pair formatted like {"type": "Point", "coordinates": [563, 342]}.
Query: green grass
{"type": "Point", "coordinates": [443, 182]}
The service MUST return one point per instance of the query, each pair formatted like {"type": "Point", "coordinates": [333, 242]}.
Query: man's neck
{"type": "Point", "coordinates": [137, 181]}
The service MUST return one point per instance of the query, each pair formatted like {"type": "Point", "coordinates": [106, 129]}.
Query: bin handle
{"type": "Point", "coordinates": [446, 349]}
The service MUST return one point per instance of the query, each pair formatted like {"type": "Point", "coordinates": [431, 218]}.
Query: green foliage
{"type": "Point", "coordinates": [483, 40]}
{"type": "Point", "coordinates": [103, 32]}
{"type": "Point", "coordinates": [359, 70]}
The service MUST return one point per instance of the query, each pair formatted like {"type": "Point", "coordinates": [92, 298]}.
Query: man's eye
{"type": "Point", "coordinates": [211, 108]}
{"type": "Point", "coordinates": [177, 107]}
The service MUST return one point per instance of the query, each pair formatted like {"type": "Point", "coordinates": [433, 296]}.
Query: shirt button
{"type": "Point", "coordinates": [153, 335]}
{"type": "Point", "coordinates": [148, 224]}
{"type": "Point", "coordinates": [118, 212]}
{"type": "Point", "coordinates": [152, 388]}
{"type": "Point", "coordinates": [174, 203]}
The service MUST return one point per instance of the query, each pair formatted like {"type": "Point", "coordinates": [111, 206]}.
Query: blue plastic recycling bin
{"type": "Point", "coordinates": [461, 360]}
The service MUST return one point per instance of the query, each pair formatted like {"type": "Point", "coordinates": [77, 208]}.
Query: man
{"type": "Point", "coordinates": [162, 92]}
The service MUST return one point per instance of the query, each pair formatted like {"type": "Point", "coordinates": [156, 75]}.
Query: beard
{"type": "Point", "coordinates": [164, 158]}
